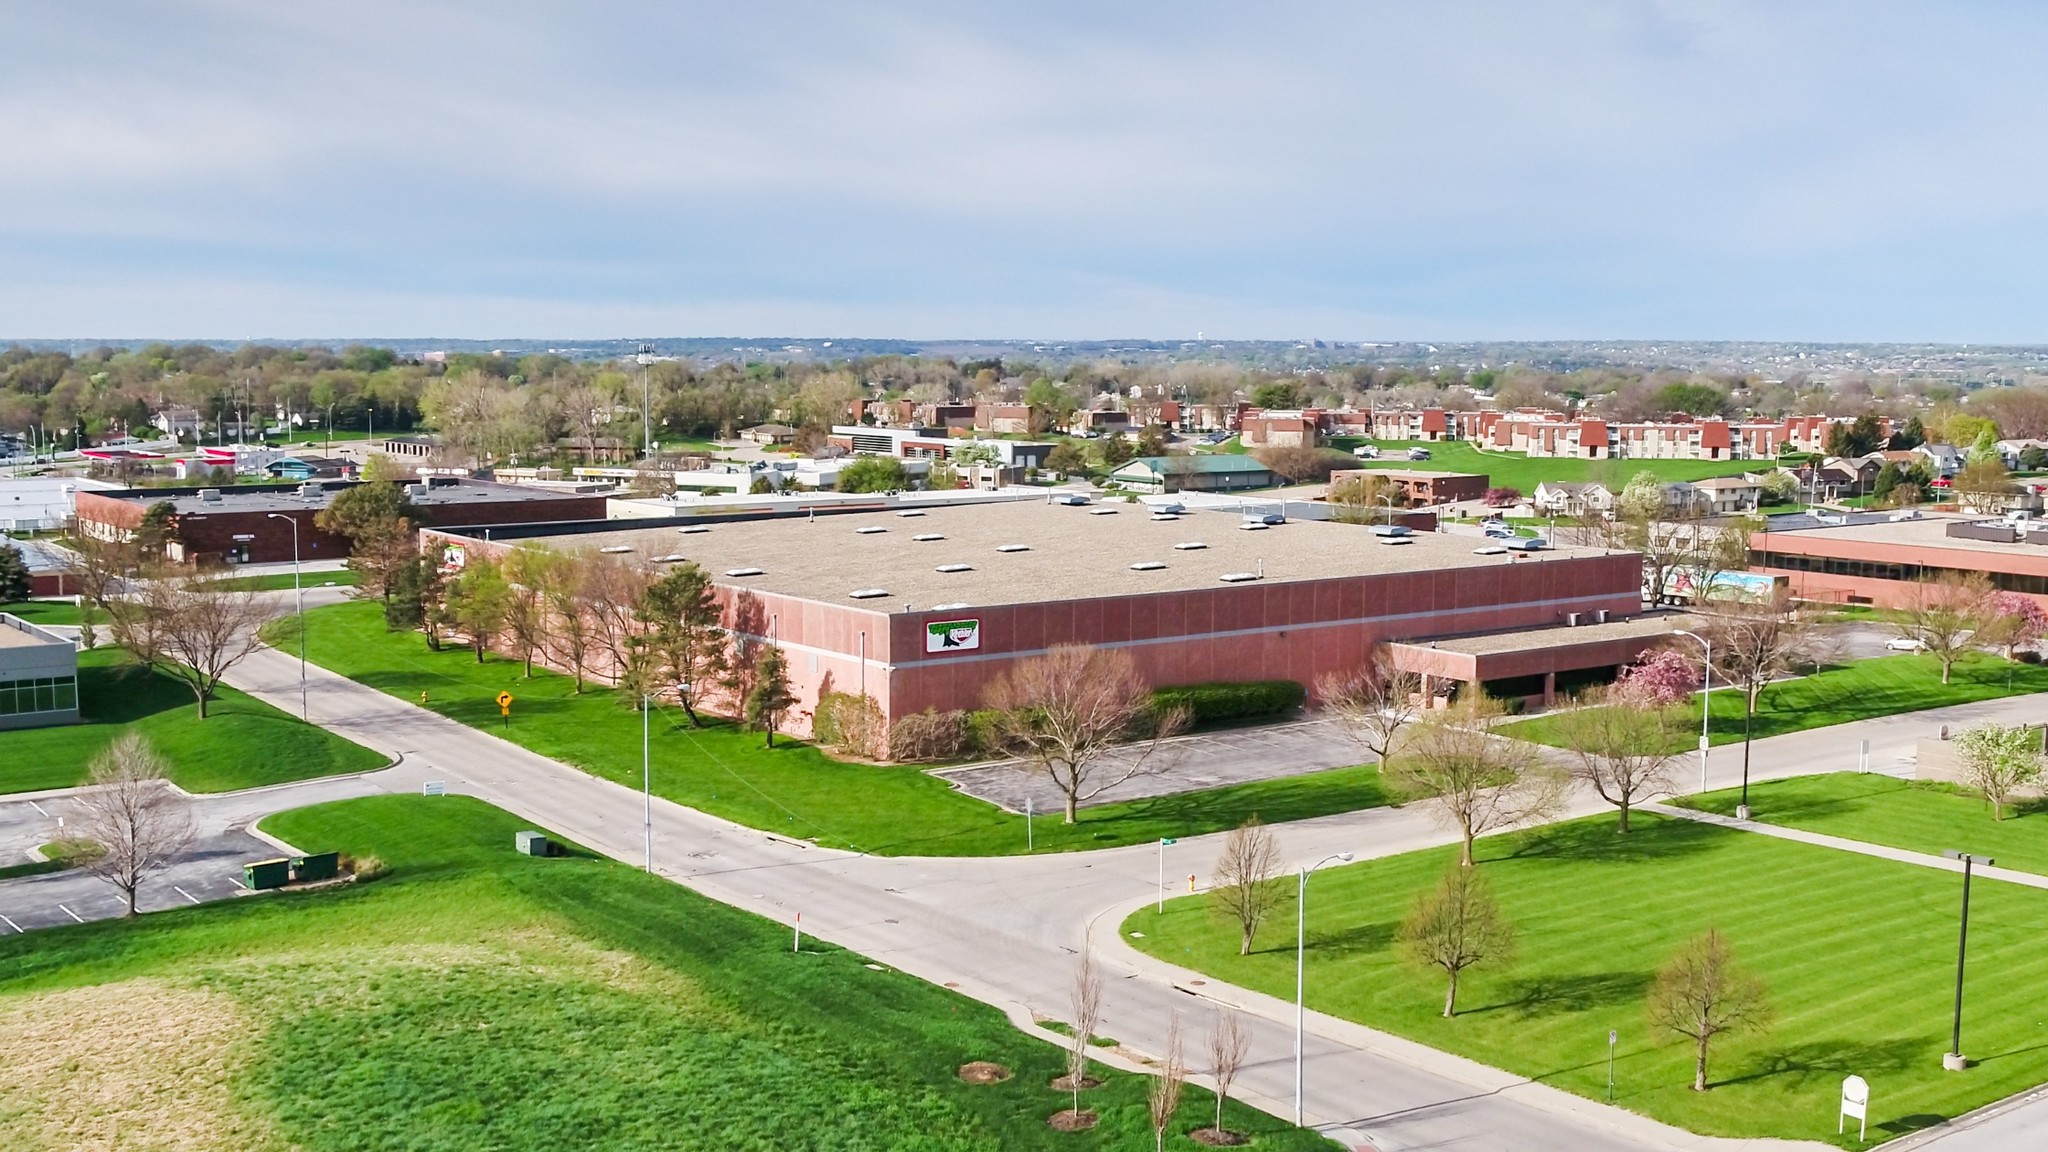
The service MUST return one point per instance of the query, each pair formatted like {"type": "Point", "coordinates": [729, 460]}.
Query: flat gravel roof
{"type": "Point", "coordinates": [1031, 551]}
{"type": "Point", "coordinates": [1560, 635]}
{"type": "Point", "coordinates": [1927, 531]}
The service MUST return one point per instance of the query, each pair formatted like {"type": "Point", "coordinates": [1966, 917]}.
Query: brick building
{"type": "Point", "coordinates": [240, 526]}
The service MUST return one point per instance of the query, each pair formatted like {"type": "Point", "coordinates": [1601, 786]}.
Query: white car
{"type": "Point", "coordinates": [1906, 644]}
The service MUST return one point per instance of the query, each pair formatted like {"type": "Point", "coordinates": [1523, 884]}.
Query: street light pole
{"type": "Point", "coordinates": [1954, 1060]}
{"type": "Point", "coordinates": [1300, 951]}
{"type": "Point", "coordinates": [1706, 703]}
{"type": "Point", "coordinates": [299, 597]}
{"type": "Point", "coordinates": [646, 787]}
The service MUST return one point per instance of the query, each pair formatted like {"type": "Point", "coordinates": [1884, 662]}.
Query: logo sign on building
{"type": "Point", "coordinates": [453, 558]}
{"type": "Point", "coordinates": [1855, 1102]}
{"type": "Point", "coordinates": [952, 635]}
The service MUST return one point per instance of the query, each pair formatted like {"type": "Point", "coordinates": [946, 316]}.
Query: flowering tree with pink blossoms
{"type": "Point", "coordinates": [2017, 620]}
{"type": "Point", "coordinates": [1659, 679]}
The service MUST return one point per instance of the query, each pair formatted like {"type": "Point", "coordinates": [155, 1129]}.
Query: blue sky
{"type": "Point", "coordinates": [1348, 169]}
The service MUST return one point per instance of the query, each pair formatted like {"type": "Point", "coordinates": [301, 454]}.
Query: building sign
{"type": "Point", "coordinates": [453, 557]}
{"type": "Point", "coordinates": [952, 635]}
{"type": "Point", "coordinates": [1679, 586]}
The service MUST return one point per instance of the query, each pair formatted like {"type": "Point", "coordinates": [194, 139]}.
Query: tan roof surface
{"type": "Point", "coordinates": [1559, 636]}
{"type": "Point", "coordinates": [1929, 531]}
{"type": "Point", "coordinates": [12, 635]}
{"type": "Point", "coordinates": [1073, 552]}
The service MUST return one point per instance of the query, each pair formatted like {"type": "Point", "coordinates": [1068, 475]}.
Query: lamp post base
{"type": "Point", "coordinates": [1954, 1061]}
{"type": "Point", "coordinates": [1742, 811]}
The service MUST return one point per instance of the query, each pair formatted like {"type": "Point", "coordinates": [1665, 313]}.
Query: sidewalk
{"type": "Point", "coordinates": [1860, 847]}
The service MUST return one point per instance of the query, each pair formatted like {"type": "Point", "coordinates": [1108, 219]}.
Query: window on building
{"type": "Point", "coordinates": [48, 694]}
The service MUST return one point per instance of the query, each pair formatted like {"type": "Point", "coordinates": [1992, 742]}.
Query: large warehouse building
{"type": "Point", "coordinates": [1884, 558]}
{"type": "Point", "coordinates": [923, 608]}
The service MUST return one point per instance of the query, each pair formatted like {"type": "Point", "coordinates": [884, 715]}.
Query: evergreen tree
{"type": "Point", "coordinates": [14, 581]}
{"type": "Point", "coordinates": [770, 697]}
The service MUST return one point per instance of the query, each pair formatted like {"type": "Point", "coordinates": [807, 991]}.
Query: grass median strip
{"type": "Point", "coordinates": [476, 998]}
{"type": "Point", "coordinates": [1864, 690]}
{"type": "Point", "coordinates": [792, 789]}
{"type": "Point", "coordinates": [1858, 955]}
{"type": "Point", "coordinates": [1917, 815]}
{"type": "Point", "coordinates": [243, 742]}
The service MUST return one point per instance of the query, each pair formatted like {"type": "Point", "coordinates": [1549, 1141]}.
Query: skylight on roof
{"type": "Point", "coordinates": [868, 593]}
{"type": "Point", "coordinates": [1013, 547]}
{"type": "Point", "coordinates": [1238, 577]}
{"type": "Point", "coordinates": [615, 549]}
{"type": "Point", "coordinates": [871, 529]}
{"type": "Point", "coordinates": [955, 568]}
{"type": "Point", "coordinates": [1189, 546]}
{"type": "Point", "coordinates": [1102, 511]}
{"type": "Point", "coordinates": [1148, 565]}
{"type": "Point", "coordinates": [926, 537]}
{"type": "Point", "coordinates": [671, 558]}
{"type": "Point", "coordinates": [911, 512]}
{"type": "Point", "coordinates": [692, 529]}
{"type": "Point", "coordinates": [742, 571]}
{"type": "Point", "coordinates": [952, 606]}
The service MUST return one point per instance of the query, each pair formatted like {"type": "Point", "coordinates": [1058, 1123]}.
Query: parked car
{"type": "Point", "coordinates": [1906, 644]}
{"type": "Point", "coordinates": [1418, 453]}
{"type": "Point", "coordinates": [1499, 531]}
{"type": "Point", "coordinates": [1366, 452]}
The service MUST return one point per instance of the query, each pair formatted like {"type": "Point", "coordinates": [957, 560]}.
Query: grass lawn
{"type": "Point", "coordinates": [1885, 686]}
{"type": "Point", "coordinates": [43, 611]}
{"type": "Point", "coordinates": [242, 743]}
{"type": "Point", "coordinates": [794, 789]}
{"type": "Point", "coordinates": [1515, 470]}
{"type": "Point", "coordinates": [1858, 954]}
{"type": "Point", "coordinates": [1919, 815]}
{"type": "Point", "coordinates": [282, 581]}
{"type": "Point", "coordinates": [479, 999]}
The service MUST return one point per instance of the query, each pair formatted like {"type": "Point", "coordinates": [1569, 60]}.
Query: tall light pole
{"type": "Point", "coordinates": [299, 596]}
{"type": "Point", "coordinates": [1953, 1060]}
{"type": "Point", "coordinates": [1300, 942]}
{"type": "Point", "coordinates": [645, 358]}
{"type": "Point", "coordinates": [1706, 702]}
{"type": "Point", "coordinates": [646, 785]}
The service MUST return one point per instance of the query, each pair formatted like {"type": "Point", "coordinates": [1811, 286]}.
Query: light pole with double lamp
{"type": "Point", "coordinates": [1706, 701]}
{"type": "Point", "coordinates": [299, 596]}
{"type": "Point", "coordinates": [1300, 941]}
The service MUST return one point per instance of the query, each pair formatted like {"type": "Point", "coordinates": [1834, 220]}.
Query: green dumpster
{"type": "Point", "coordinates": [321, 866]}
{"type": "Point", "coordinates": [267, 874]}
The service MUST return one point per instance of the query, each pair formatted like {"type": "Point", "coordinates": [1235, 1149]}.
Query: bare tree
{"type": "Point", "coordinates": [1755, 642]}
{"type": "Point", "coordinates": [1949, 615]}
{"type": "Point", "coordinates": [1374, 703]}
{"type": "Point", "coordinates": [180, 627]}
{"type": "Point", "coordinates": [1084, 1000]}
{"type": "Point", "coordinates": [1701, 993]}
{"type": "Point", "coordinates": [130, 813]}
{"type": "Point", "coordinates": [613, 589]}
{"type": "Point", "coordinates": [1064, 714]}
{"type": "Point", "coordinates": [573, 634]}
{"type": "Point", "coordinates": [1479, 782]}
{"type": "Point", "coordinates": [1621, 749]}
{"type": "Point", "coordinates": [1230, 1045]}
{"type": "Point", "coordinates": [1164, 1099]}
{"type": "Point", "coordinates": [530, 571]}
{"type": "Point", "coordinates": [1998, 760]}
{"type": "Point", "coordinates": [1246, 888]}
{"type": "Point", "coordinates": [1455, 926]}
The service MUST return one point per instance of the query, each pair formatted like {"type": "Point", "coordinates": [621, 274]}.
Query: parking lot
{"type": "Point", "coordinates": [210, 869]}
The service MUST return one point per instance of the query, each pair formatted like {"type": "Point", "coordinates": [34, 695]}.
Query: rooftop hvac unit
{"type": "Point", "coordinates": [209, 495]}
{"type": "Point", "coordinates": [310, 491]}
{"type": "Point", "coordinates": [415, 490]}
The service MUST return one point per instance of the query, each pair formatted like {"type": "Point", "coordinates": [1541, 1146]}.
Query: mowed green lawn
{"type": "Point", "coordinates": [479, 999]}
{"type": "Point", "coordinates": [1859, 955]}
{"type": "Point", "coordinates": [43, 611]}
{"type": "Point", "coordinates": [794, 789]}
{"type": "Point", "coordinates": [282, 581]}
{"type": "Point", "coordinates": [1919, 815]}
{"type": "Point", "coordinates": [1515, 470]}
{"type": "Point", "coordinates": [1885, 686]}
{"type": "Point", "coordinates": [243, 743]}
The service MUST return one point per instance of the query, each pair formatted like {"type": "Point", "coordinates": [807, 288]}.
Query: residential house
{"type": "Point", "coordinates": [178, 423]}
{"type": "Point", "coordinates": [1946, 458]}
{"type": "Point", "coordinates": [1564, 498]}
{"type": "Point", "coordinates": [307, 467]}
{"type": "Point", "coordinates": [1728, 495]}
{"type": "Point", "coordinates": [1275, 429]}
{"type": "Point", "coordinates": [768, 434]}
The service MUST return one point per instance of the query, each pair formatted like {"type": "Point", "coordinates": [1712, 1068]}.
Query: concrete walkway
{"type": "Point", "coordinates": [1860, 847]}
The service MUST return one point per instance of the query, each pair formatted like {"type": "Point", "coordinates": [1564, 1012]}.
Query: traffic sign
{"type": "Point", "coordinates": [504, 699]}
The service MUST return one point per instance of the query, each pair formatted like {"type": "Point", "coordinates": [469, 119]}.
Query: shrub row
{"type": "Point", "coordinates": [1216, 703]}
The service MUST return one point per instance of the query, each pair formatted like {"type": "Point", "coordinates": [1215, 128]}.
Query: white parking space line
{"type": "Point", "coordinates": [38, 808]}
{"type": "Point", "coordinates": [11, 924]}
{"type": "Point", "coordinates": [70, 913]}
{"type": "Point", "coordinates": [185, 894]}
{"type": "Point", "coordinates": [236, 882]}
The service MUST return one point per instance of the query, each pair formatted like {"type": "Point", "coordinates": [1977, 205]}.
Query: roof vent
{"type": "Point", "coordinates": [926, 537]}
{"type": "Point", "coordinates": [868, 593]}
{"type": "Point", "coordinates": [955, 568]}
{"type": "Point", "coordinates": [742, 571]}
{"type": "Point", "coordinates": [1148, 565]}
{"type": "Point", "coordinates": [871, 529]}
{"type": "Point", "coordinates": [1013, 547]}
{"type": "Point", "coordinates": [910, 512]}
{"type": "Point", "coordinates": [1238, 577]}
{"type": "Point", "coordinates": [694, 528]}
{"type": "Point", "coordinates": [615, 549]}
{"type": "Point", "coordinates": [1189, 546]}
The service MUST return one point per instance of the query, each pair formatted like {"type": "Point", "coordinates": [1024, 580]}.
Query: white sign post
{"type": "Point", "coordinates": [1855, 1102]}
{"type": "Point", "coordinates": [1863, 756]}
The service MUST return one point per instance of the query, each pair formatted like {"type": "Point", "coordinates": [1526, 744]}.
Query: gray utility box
{"type": "Point", "coordinates": [530, 843]}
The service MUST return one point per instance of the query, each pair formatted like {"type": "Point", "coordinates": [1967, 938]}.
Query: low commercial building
{"type": "Point", "coordinates": [252, 524]}
{"type": "Point", "coordinates": [923, 607]}
{"type": "Point", "coordinates": [38, 676]}
{"type": "Point", "coordinates": [1536, 665]}
{"type": "Point", "coordinates": [1420, 489]}
{"type": "Point", "coordinates": [1885, 558]}
{"type": "Point", "coordinates": [1220, 472]}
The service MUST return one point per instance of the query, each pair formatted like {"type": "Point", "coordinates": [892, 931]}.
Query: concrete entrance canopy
{"type": "Point", "coordinates": [1528, 653]}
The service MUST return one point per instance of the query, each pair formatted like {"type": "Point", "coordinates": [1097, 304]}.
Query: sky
{"type": "Point", "coordinates": [1344, 170]}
